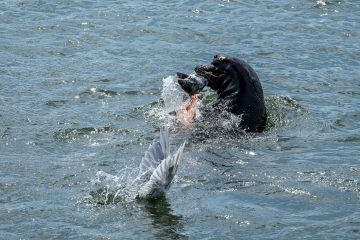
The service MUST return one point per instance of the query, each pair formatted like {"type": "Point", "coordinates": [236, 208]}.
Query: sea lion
{"type": "Point", "coordinates": [238, 88]}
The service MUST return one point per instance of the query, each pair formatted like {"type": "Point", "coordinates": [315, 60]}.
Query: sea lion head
{"type": "Point", "coordinates": [220, 67]}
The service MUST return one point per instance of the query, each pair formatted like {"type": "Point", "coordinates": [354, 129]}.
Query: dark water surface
{"type": "Point", "coordinates": [80, 90]}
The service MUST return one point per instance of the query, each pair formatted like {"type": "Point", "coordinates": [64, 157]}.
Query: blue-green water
{"type": "Point", "coordinates": [81, 84]}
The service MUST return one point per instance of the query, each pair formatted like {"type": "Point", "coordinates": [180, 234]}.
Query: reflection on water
{"type": "Point", "coordinates": [167, 224]}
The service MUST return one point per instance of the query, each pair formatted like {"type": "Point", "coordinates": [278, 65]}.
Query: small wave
{"type": "Point", "coordinates": [328, 5]}
{"type": "Point", "coordinates": [95, 91]}
{"type": "Point", "coordinates": [295, 191]}
{"type": "Point", "coordinates": [71, 134]}
{"type": "Point", "coordinates": [151, 91]}
{"type": "Point", "coordinates": [334, 178]}
{"type": "Point", "coordinates": [56, 103]}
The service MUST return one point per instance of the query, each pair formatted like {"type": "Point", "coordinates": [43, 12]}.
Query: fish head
{"type": "Point", "coordinates": [191, 84]}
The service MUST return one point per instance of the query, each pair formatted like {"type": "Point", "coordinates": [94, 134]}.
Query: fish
{"type": "Point", "coordinates": [192, 84]}
{"type": "Point", "coordinates": [158, 167]}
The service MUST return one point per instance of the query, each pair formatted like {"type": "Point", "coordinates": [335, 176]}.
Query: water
{"type": "Point", "coordinates": [80, 101]}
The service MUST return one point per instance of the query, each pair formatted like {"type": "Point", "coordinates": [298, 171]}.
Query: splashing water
{"type": "Point", "coordinates": [172, 99]}
{"type": "Point", "coordinates": [282, 111]}
{"type": "Point", "coordinates": [113, 189]}
{"type": "Point", "coordinates": [172, 94]}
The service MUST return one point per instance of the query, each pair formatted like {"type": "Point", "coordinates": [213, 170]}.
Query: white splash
{"type": "Point", "coordinates": [172, 101]}
{"type": "Point", "coordinates": [321, 3]}
{"type": "Point", "coordinates": [172, 94]}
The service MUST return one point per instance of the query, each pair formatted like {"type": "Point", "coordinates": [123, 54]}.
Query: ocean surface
{"type": "Point", "coordinates": [86, 85]}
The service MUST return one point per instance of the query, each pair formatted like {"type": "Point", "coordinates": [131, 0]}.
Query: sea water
{"type": "Point", "coordinates": [82, 96]}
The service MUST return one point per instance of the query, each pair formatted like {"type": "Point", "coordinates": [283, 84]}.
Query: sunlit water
{"type": "Point", "coordinates": [85, 86]}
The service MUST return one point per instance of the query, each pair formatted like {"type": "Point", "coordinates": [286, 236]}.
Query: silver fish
{"type": "Point", "coordinates": [191, 84]}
